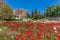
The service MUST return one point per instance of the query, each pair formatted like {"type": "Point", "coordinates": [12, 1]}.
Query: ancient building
{"type": "Point", "coordinates": [20, 13]}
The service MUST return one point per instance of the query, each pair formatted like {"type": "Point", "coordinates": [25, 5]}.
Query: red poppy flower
{"type": "Point", "coordinates": [18, 36]}
{"type": "Point", "coordinates": [47, 36]}
{"type": "Point", "coordinates": [28, 32]}
{"type": "Point", "coordinates": [58, 37]}
{"type": "Point", "coordinates": [23, 38]}
{"type": "Point", "coordinates": [54, 39]}
{"type": "Point", "coordinates": [39, 35]}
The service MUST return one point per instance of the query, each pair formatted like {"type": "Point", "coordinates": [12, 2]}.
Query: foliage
{"type": "Point", "coordinates": [28, 15]}
{"type": "Point", "coordinates": [5, 12]}
{"type": "Point", "coordinates": [52, 11]}
{"type": "Point", "coordinates": [41, 16]}
{"type": "Point", "coordinates": [35, 14]}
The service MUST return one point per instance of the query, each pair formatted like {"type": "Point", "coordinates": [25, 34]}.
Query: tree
{"type": "Point", "coordinates": [6, 12]}
{"type": "Point", "coordinates": [41, 16]}
{"type": "Point", "coordinates": [53, 11]}
{"type": "Point", "coordinates": [28, 15]}
{"type": "Point", "coordinates": [35, 14]}
{"type": "Point", "coordinates": [58, 9]}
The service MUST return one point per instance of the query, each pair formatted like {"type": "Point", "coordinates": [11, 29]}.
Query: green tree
{"type": "Point", "coordinates": [28, 15]}
{"type": "Point", "coordinates": [35, 14]}
{"type": "Point", "coordinates": [6, 12]}
{"type": "Point", "coordinates": [58, 9]}
{"type": "Point", "coordinates": [52, 11]}
{"type": "Point", "coordinates": [41, 16]}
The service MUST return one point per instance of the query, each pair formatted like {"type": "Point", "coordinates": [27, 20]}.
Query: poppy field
{"type": "Point", "coordinates": [10, 30]}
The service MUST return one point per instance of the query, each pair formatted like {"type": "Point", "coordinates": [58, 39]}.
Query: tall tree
{"type": "Point", "coordinates": [35, 14]}
{"type": "Point", "coordinates": [28, 15]}
{"type": "Point", "coordinates": [58, 9]}
{"type": "Point", "coordinates": [5, 12]}
{"type": "Point", "coordinates": [51, 11]}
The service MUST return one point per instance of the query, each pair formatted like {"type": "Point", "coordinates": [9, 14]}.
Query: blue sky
{"type": "Point", "coordinates": [31, 4]}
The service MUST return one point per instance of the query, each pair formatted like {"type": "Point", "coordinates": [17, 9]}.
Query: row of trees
{"type": "Point", "coordinates": [51, 11]}
{"type": "Point", "coordinates": [35, 14]}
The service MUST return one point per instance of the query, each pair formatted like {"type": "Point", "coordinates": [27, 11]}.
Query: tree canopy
{"type": "Point", "coordinates": [5, 12]}
{"type": "Point", "coordinates": [52, 11]}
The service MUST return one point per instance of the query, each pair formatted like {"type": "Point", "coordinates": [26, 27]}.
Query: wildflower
{"type": "Point", "coordinates": [54, 39]}
{"type": "Point", "coordinates": [47, 36]}
{"type": "Point", "coordinates": [18, 36]}
{"type": "Point", "coordinates": [54, 28]}
{"type": "Point", "coordinates": [23, 38]}
{"type": "Point", "coordinates": [28, 32]}
{"type": "Point", "coordinates": [58, 37]}
{"type": "Point", "coordinates": [39, 35]}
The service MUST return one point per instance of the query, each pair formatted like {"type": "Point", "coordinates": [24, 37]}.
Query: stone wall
{"type": "Point", "coordinates": [53, 18]}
